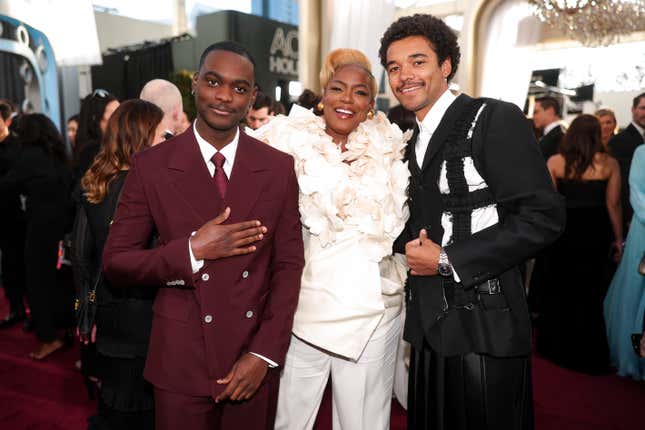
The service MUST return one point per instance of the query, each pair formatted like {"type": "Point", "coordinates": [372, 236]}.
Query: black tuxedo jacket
{"type": "Point", "coordinates": [622, 147]}
{"type": "Point", "coordinates": [531, 216]}
{"type": "Point", "coordinates": [550, 142]}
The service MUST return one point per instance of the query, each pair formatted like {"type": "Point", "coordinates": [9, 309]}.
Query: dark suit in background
{"type": "Point", "coordinates": [549, 145]}
{"type": "Point", "coordinates": [470, 359]}
{"type": "Point", "coordinates": [550, 142]}
{"type": "Point", "coordinates": [622, 147]}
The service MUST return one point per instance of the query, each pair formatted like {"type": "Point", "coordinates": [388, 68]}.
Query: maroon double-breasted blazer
{"type": "Point", "coordinates": [203, 322]}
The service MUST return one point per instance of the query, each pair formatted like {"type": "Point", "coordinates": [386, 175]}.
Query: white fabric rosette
{"type": "Point", "coordinates": [352, 207]}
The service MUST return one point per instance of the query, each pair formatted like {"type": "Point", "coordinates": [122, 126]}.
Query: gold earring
{"type": "Point", "coordinates": [370, 114]}
{"type": "Point", "coordinates": [320, 106]}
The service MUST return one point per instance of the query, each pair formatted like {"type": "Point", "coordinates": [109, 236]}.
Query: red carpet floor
{"type": "Point", "coordinates": [50, 395]}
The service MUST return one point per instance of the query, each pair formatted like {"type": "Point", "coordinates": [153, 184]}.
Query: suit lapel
{"type": "Point", "coordinates": [191, 178]}
{"type": "Point", "coordinates": [411, 153]}
{"type": "Point", "coordinates": [443, 130]}
{"type": "Point", "coordinates": [637, 135]}
{"type": "Point", "coordinates": [246, 181]}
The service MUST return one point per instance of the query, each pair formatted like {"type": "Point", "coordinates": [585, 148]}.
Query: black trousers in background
{"type": "Point", "coordinates": [469, 392]}
{"type": "Point", "coordinates": [48, 297]}
{"type": "Point", "coordinates": [12, 245]}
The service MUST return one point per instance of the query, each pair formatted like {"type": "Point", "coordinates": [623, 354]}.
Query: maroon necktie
{"type": "Point", "coordinates": [221, 181]}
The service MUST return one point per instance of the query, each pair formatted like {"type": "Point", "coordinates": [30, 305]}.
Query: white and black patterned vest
{"type": "Point", "coordinates": [460, 202]}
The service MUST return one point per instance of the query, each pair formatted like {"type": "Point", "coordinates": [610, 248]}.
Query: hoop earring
{"type": "Point", "coordinates": [370, 114]}
{"type": "Point", "coordinates": [320, 106]}
{"type": "Point", "coordinates": [192, 92]}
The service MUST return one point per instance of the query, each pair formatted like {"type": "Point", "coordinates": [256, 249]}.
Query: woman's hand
{"type": "Point", "coordinates": [617, 249]}
{"type": "Point", "coordinates": [85, 340]}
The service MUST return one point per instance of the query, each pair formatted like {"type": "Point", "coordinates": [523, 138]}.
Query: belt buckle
{"type": "Point", "coordinates": [493, 286]}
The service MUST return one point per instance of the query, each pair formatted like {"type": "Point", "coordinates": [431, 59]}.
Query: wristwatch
{"type": "Point", "coordinates": [444, 268]}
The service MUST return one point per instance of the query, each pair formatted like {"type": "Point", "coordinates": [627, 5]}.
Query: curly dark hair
{"type": "Point", "coordinates": [37, 129]}
{"type": "Point", "coordinates": [442, 38]}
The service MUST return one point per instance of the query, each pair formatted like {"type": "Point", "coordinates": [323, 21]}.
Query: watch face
{"type": "Point", "coordinates": [444, 270]}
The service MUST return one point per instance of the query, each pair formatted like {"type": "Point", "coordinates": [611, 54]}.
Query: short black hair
{"type": "Point", "coordinates": [278, 108]}
{"type": "Point", "coordinates": [5, 110]}
{"type": "Point", "coordinates": [402, 117]}
{"type": "Point", "coordinates": [637, 100]}
{"type": "Point", "coordinates": [263, 101]}
{"type": "Point", "coordinates": [229, 46]}
{"type": "Point", "coordinates": [308, 99]}
{"type": "Point", "coordinates": [548, 102]}
{"type": "Point", "coordinates": [442, 38]}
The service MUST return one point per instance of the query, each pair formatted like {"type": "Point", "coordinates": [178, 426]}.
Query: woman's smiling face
{"type": "Point", "coordinates": [347, 100]}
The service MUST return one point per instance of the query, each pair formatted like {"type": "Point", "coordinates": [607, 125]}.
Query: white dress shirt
{"type": "Point", "coordinates": [430, 123]}
{"type": "Point", "coordinates": [427, 127]}
{"type": "Point", "coordinates": [208, 151]}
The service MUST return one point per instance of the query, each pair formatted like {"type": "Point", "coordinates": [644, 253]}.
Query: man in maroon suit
{"type": "Point", "coordinates": [221, 327]}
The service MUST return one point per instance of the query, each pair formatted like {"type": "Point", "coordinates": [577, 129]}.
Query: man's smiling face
{"type": "Point", "coordinates": [415, 75]}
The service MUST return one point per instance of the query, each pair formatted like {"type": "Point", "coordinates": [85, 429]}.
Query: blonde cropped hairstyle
{"type": "Point", "coordinates": [345, 57]}
{"type": "Point", "coordinates": [606, 112]}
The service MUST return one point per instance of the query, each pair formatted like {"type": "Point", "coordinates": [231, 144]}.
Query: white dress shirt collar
{"type": "Point", "coordinates": [429, 125]}
{"type": "Point", "coordinates": [550, 127]}
{"type": "Point", "coordinates": [209, 150]}
{"type": "Point", "coordinates": [436, 112]}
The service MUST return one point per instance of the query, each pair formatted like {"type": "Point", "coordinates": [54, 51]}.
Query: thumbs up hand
{"type": "Point", "coordinates": [422, 255]}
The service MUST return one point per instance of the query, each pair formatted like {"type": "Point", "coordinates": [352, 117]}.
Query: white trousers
{"type": "Point", "coordinates": [361, 390]}
{"type": "Point", "coordinates": [402, 369]}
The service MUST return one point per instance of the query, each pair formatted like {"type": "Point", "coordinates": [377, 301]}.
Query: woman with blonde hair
{"type": "Point", "coordinates": [608, 125]}
{"type": "Point", "coordinates": [121, 327]}
{"type": "Point", "coordinates": [353, 206]}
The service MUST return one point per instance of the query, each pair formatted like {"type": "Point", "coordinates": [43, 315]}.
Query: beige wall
{"type": "Point", "coordinates": [115, 31]}
{"type": "Point", "coordinates": [309, 44]}
{"type": "Point", "coordinates": [477, 13]}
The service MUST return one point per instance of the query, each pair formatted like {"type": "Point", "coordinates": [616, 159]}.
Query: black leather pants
{"type": "Point", "coordinates": [468, 392]}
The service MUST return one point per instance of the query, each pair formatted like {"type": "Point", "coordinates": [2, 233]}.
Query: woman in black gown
{"type": "Point", "coordinates": [124, 316]}
{"type": "Point", "coordinates": [42, 174]}
{"type": "Point", "coordinates": [571, 328]}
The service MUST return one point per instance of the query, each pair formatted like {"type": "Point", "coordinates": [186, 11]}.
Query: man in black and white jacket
{"type": "Point", "coordinates": [481, 203]}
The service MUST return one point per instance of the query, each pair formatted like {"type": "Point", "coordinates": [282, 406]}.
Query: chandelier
{"type": "Point", "coordinates": [592, 22]}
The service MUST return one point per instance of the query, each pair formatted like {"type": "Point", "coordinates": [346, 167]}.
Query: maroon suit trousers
{"type": "Point", "coordinates": [176, 411]}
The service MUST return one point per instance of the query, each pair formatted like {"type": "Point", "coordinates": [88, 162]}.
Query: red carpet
{"type": "Point", "coordinates": [50, 395]}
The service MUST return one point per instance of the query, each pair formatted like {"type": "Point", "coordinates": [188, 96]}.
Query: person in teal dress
{"type": "Point", "coordinates": [625, 300]}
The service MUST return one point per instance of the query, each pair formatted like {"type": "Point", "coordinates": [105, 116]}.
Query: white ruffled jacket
{"type": "Point", "coordinates": [352, 207]}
